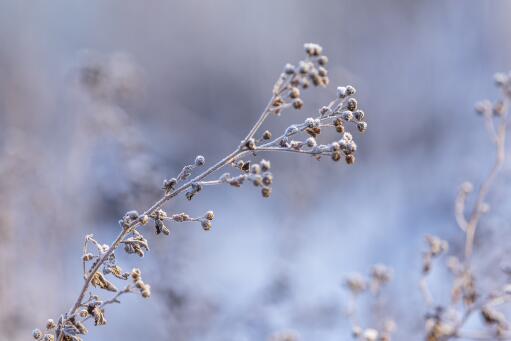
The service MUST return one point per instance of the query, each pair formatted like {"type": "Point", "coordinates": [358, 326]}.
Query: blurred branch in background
{"type": "Point", "coordinates": [446, 321]}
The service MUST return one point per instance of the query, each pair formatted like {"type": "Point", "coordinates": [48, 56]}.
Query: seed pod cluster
{"type": "Point", "coordinates": [145, 289]}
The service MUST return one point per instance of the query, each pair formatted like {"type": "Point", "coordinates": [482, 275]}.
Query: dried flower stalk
{"type": "Point", "coordinates": [104, 270]}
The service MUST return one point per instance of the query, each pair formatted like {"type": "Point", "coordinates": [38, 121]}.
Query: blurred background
{"type": "Point", "coordinates": [102, 100]}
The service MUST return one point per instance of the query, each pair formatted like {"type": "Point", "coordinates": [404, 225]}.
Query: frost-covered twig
{"type": "Point", "coordinates": [341, 111]}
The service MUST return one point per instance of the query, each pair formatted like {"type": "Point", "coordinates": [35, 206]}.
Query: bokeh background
{"type": "Point", "coordinates": [102, 100]}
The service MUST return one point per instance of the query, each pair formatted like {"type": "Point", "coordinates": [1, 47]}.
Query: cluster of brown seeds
{"type": "Point", "coordinates": [48, 336]}
{"type": "Point", "coordinates": [145, 289]}
{"type": "Point", "coordinates": [257, 173]}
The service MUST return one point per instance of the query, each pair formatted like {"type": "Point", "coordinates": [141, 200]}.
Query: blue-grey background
{"type": "Point", "coordinates": [191, 77]}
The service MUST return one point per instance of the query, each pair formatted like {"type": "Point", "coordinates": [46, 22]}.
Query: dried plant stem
{"type": "Point", "coordinates": [500, 144]}
{"type": "Point", "coordinates": [278, 88]}
{"type": "Point", "coordinates": [426, 293]}
{"type": "Point", "coordinates": [115, 244]}
{"type": "Point", "coordinates": [481, 336]}
{"type": "Point", "coordinates": [285, 94]}
{"type": "Point", "coordinates": [223, 162]}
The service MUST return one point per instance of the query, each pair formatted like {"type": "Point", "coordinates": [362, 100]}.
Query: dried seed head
{"type": "Point", "coordinates": [84, 313]}
{"type": "Point", "coordinates": [347, 115]}
{"type": "Point", "coordinates": [132, 215]}
{"type": "Point", "coordinates": [359, 115]}
{"type": "Point", "coordinates": [500, 79]}
{"type": "Point", "coordinates": [136, 273]}
{"type": "Point", "coordinates": [209, 215]}
{"type": "Point", "coordinates": [309, 122]}
{"type": "Point", "coordinates": [323, 60]}
{"type": "Point", "coordinates": [356, 331]}
{"type": "Point", "coordinates": [180, 217]}
{"type": "Point", "coordinates": [305, 83]}
{"type": "Point", "coordinates": [199, 160]}
{"type": "Point", "coordinates": [483, 107]}
{"type": "Point", "coordinates": [294, 92]}
{"type": "Point", "coordinates": [245, 166]}
{"type": "Point", "coordinates": [316, 79]}
{"type": "Point", "coordinates": [350, 159]}
{"type": "Point", "coordinates": [341, 91]}
{"type": "Point", "coordinates": [265, 165]}
{"type": "Point", "coordinates": [297, 103]}
{"type": "Point", "coordinates": [350, 90]}
{"type": "Point", "coordinates": [50, 324]}
{"type": "Point", "coordinates": [48, 337]}
{"type": "Point", "coordinates": [336, 156]}
{"type": "Point", "coordinates": [350, 147]}
{"type": "Point", "coordinates": [352, 104]}
{"type": "Point", "coordinates": [144, 219]}
{"type": "Point", "coordinates": [436, 245]}
{"type": "Point", "coordinates": [250, 144]}
{"type": "Point", "coordinates": [313, 131]}
{"type": "Point", "coordinates": [453, 264]}
{"type": "Point", "coordinates": [289, 69]}
{"type": "Point", "coordinates": [267, 179]}
{"type": "Point", "coordinates": [160, 214]}
{"type": "Point", "coordinates": [267, 135]}
{"type": "Point", "coordinates": [161, 228]}
{"type": "Point", "coordinates": [303, 67]}
{"type": "Point", "coordinates": [139, 284]}
{"type": "Point", "coordinates": [255, 169]}
{"type": "Point", "coordinates": [257, 180]}
{"type": "Point", "coordinates": [356, 284]}
{"type": "Point", "coordinates": [87, 257]}
{"type": "Point", "coordinates": [266, 192]}
{"type": "Point", "coordinates": [146, 292]}
{"type": "Point", "coordinates": [381, 274]}
{"type": "Point", "coordinates": [169, 185]}
{"type": "Point", "coordinates": [322, 72]}
{"type": "Point", "coordinates": [284, 142]}
{"type": "Point", "coordinates": [37, 334]}
{"type": "Point", "coordinates": [277, 101]}
{"type": "Point", "coordinates": [206, 224]}
{"type": "Point", "coordinates": [313, 50]}
{"type": "Point", "coordinates": [492, 316]}
{"type": "Point", "coordinates": [370, 335]}
{"type": "Point", "coordinates": [362, 126]}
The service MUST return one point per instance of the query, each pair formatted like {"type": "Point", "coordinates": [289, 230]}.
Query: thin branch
{"type": "Point", "coordinates": [475, 216]}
